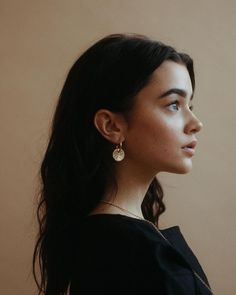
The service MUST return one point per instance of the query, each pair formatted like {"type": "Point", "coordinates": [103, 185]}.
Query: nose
{"type": "Point", "coordinates": [194, 125]}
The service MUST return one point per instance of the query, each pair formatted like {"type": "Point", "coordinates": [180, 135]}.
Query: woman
{"type": "Point", "coordinates": [123, 116]}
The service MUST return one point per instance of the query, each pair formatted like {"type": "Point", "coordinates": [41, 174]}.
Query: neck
{"type": "Point", "coordinates": [132, 187]}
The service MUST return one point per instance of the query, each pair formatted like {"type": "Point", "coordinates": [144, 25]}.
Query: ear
{"type": "Point", "coordinates": [110, 125]}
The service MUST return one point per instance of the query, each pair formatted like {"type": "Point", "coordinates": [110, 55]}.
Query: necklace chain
{"type": "Point", "coordinates": [122, 209]}
{"type": "Point", "coordinates": [125, 210]}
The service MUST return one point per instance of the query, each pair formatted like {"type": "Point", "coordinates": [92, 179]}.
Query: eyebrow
{"type": "Point", "coordinates": [178, 91]}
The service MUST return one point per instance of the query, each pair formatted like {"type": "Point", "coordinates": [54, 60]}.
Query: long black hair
{"type": "Point", "coordinates": [77, 166]}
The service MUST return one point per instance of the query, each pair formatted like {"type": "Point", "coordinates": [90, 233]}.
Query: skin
{"type": "Point", "coordinates": [153, 137]}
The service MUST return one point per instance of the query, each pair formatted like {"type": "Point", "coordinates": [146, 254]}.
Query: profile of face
{"type": "Point", "coordinates": [162, 122]}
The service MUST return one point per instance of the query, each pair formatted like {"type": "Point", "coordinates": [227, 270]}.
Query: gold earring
{"type": "Point", "coordinates": [118, 153]}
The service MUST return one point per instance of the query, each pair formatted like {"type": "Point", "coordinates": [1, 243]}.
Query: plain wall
{"type": "Point", "coordinates": [39, 42]}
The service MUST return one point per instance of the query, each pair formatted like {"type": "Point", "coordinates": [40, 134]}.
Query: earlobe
{"type": "Point", "coordinates": [109, 125]}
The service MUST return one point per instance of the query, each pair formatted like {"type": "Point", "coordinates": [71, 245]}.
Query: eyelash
{"type": "Point", "coordinates": [177, 103]}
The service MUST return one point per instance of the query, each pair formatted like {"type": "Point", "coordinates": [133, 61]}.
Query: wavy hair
{"type": "Point", "coordinates": [77, 165]}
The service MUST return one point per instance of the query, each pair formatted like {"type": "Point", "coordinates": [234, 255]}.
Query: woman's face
{"type": "Point", "coordinates": [162, 122]}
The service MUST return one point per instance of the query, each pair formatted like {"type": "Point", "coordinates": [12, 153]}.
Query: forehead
{"type": "Point", "coordinates": [171, 75]}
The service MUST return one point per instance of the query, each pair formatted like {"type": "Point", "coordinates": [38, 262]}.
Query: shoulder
{"type": "Point", "coordinates": [130, 239]}
{"type": "Point", "coordinates": [120, 249]}
{"type": "Point", "coordinates": [118, 227]}
{"type": "Point", "coordinates": [128, 244]}
{"type": "Point", "coordinates": [132, 251]}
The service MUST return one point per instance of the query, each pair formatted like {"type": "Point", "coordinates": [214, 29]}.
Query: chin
{"type": "Point", "coordinates": [185, 169]}
{"type": "Point", "coordinates": [180, 169]}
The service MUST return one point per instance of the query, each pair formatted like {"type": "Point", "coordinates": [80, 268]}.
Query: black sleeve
{"type": "Point", "coordinates": [121, 261]}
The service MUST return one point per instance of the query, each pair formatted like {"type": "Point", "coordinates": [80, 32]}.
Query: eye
{"type": "Point", "coordinates": [174, 103]}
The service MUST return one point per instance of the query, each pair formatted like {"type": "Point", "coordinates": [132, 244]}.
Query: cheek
{"type": "Point", "coordinates": [152, 130]}
{"type": "Point", "coordinates": [153, 133]}
{"type": "Point", "coordinates": [162, 130]}
{"type": "Point", "coordinates": [164, 139]}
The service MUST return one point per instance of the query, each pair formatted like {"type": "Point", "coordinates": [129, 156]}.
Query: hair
{"type": "Point", "coordinates": [77, 166]}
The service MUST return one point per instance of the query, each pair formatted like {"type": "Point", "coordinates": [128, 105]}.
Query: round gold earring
{"type": "Point", "coordinates": [118, 153]}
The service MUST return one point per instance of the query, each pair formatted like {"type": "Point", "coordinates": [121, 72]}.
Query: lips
{"type": "Point", "coordinates": [191, 144]}
{"type": "Point", "coordinates": [189, 148]}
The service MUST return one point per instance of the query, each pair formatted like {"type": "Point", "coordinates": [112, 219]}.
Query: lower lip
{"type": "Point", "coordinates": [189, 151]}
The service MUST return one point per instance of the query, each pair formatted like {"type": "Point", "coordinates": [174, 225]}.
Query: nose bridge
{"type": "Point", "coordinates": [193, 124]}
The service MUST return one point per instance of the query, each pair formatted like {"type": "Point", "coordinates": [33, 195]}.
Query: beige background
{"type": "Point", "coordinates": [39, 42]}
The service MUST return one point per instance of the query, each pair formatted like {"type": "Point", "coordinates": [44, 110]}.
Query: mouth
{"type": "Point", "coordinates": [190, 147]}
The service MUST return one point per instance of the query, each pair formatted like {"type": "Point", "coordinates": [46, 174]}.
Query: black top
{"type": "Point", "coordinates": [119, 254]}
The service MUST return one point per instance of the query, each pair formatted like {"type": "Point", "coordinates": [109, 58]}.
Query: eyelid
{"type": "Point", "coordinates": [174, 101]}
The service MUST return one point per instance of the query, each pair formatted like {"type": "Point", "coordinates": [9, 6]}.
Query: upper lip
{"type": "Point", "coordinates": [191, 144]}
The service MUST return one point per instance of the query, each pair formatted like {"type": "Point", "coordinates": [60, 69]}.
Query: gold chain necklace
{"type": "Point", "coordinates": [125, 210]}
{"type": "Point", "coordinates": [121, 209]}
